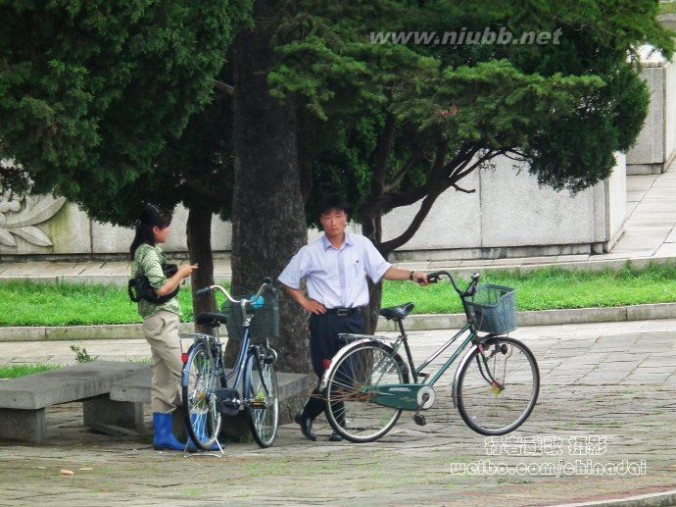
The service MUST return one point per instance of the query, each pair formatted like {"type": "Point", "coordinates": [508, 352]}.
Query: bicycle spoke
{"type": "Point", "coordinates": [352, 411]}
{"type": "Point", "coordinates": [497, 387]}
{"type": "Point", "coordinates": [199, 381]}
{"type": "Point", "coordinates": [263, 402]}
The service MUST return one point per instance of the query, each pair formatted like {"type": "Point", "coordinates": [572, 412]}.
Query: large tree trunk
{"type": "Point", "coordinates": [268, 214]}
{"type": "Point", "coordinates": [199, 249]}
{"type": "Point", "coordinates": [372, 230]}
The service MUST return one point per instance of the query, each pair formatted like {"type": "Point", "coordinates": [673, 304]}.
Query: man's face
{"type": "Point", "coordinates": [333, 222]}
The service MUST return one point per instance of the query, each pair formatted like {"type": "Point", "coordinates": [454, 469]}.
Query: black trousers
{"type": "Point", "coordinates": [324, 340]}
{"type": "Point", "coordinates": [324, 343]}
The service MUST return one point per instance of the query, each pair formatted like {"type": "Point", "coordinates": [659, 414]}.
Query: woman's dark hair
{"type": "Point", "coordinates": [151, 216]}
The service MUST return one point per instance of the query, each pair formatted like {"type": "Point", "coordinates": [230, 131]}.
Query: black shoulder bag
{"type": "Point", "coordinates": [139, 288]}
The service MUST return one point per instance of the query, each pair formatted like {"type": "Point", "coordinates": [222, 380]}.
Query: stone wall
{"type": "Point", "coordinates": [61, 230]}
{"type": "Point", "coordinates": [508, 215]}
{"type": "Point", "coordinates": [655, 147]}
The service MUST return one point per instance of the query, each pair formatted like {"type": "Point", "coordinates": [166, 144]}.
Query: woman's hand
{"type": "Point", "coordinates": [186, 270]}
{"type": "Point", "coordinates": [183, 272]}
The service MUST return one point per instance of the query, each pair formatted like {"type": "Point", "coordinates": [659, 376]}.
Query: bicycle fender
{"type": "Point", "coordinates": [456, 376]}
{"type": "Point", "coordinates": [347, 348]}
{"type": "Point", "coordinates": [185, 372]}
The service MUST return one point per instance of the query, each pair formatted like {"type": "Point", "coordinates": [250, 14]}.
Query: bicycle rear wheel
{"type": "Point", "coordinates": [262, 396]}
{"type": "Point", "coordinates": [198, 382]}
{"type": "Point", "coordinates": [497, 386]}
{"type": "Point", "coordinates": [350, 390]}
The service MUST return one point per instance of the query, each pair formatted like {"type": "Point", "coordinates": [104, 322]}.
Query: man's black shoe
{"type": "Point", "coordinates": [305, 422]}
{"type": "Point", "coordinates": [335, 437]}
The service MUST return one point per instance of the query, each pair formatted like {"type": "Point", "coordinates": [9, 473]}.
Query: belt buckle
{"type": "Point", "coordinates": [343, 312]}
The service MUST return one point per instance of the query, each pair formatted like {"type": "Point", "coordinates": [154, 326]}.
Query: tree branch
{"type": "Point", "coordinates": [396, 181]}
{"type": "Point", "coordinates": [381, 153]}
{"type": "Point", "coordinates": [224, 87]}
{"type": "Point", "coordinates": [460, 189]}
{"type": "Point", "coordinates": [386, 247]}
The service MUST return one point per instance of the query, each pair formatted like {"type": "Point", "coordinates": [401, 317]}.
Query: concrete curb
{"type": "Point", "coordinates": [413, 323]}
{"type": "Point", "coordinates": [662, 499]}
{"type": "Point", "coordinates": [55, 333]}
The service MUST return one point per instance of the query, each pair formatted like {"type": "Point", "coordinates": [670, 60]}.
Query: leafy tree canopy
{"type": "Point", "coordinates": [91, 93]}
{"type": "Point", "coordinates": [391, 123]}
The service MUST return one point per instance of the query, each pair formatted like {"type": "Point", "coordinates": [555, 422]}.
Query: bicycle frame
{"type": "Point", "coordinates": [240, 364]}
{"type": "Point", "coordinates": [404, 396]}
{"type": "Point", "coordinates": [419, 371]}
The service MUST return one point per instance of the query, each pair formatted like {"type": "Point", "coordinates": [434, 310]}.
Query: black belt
{"type": "Point", "coordinates": [344, 312]}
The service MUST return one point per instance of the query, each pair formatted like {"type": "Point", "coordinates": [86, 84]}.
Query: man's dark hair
{"type": "Point", "coordinates": [330, 203]}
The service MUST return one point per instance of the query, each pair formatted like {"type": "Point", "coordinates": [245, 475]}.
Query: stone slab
{"type": "Point", "coordinates": [72, 383]}
{"type": "Point", "coordinates": [137, 386]}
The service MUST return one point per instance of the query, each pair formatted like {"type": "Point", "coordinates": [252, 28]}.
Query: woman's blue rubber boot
{"type": "Point", "coordinates": [164, 438]}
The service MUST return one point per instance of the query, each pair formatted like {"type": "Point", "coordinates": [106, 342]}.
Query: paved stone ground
{"type": "Point", "coordinates": [606, 406]}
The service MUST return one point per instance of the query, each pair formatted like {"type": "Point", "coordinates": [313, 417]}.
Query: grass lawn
{"type": "Point", "coordinates": [49, 304]}
{"type": "Point", "coordinates": [668, 7]}
{"type": "Point", "coordinates": [550, 289]}
{"type": "Point", "coordinates": [23, 370]}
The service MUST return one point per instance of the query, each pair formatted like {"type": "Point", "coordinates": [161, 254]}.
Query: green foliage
{"type": "Point", "coordinates": [50, 304]}
{"type": "Point", "coordinates": [543, 289]}
{"type": "Point", "coordinates": [390, 124]}
{"type": "Point", "coordinates": [668, 7]}
{"type": "Point", "coordinates": [550, 289]}
{"type": "Point", "coordinates": [81, 354]}
{"type": "Point", "coordinates": [97, 90]}
{"type": "Point", "coordinates": [15, 371]}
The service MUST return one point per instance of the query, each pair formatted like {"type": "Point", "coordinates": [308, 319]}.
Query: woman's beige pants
{"type": "Point", "coordinates": [161, 332]}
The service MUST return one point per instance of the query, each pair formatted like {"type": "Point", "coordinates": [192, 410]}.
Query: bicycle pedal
{"type": "Point", "coordinates": [227, 401]}
{"type": "Point", "coordinates": [420, 420]}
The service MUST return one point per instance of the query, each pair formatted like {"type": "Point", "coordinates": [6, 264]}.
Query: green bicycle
{"type": "Point", "coordinates": [495, 387]}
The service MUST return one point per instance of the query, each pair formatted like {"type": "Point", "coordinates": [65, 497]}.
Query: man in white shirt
{"type": "Point", "coordinates": [335, 268]}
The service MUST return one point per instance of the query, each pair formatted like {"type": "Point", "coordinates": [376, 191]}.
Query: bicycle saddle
{"type": "Point", "coordinates": [211, 319]}
{"type": "Point", "coordinates": [397, 312]}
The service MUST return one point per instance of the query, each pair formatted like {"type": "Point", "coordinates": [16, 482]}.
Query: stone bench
{"type": "Point", "coordinates": [293, 388]}
{"type": "Point", "coordinates": [23, 400]}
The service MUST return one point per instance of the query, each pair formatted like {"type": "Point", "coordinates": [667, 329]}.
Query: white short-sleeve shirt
{"type": "Point", "coordinates": [336, 277]}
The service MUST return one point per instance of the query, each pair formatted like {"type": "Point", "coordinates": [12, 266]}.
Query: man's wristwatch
{"type": "Point", "coordinates": [410, 276]}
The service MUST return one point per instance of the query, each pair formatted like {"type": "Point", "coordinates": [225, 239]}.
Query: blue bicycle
{"type": "Point", "coordinates": [210, 392]}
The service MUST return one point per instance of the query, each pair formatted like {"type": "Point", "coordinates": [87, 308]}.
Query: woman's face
{"type": "Point", "coordinates": [161, 234]}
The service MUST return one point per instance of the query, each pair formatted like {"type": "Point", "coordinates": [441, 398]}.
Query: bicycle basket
{"type": "Point", "coordinates": [493, 308]}
{"type": "Point", "coordinates": [264, 323]}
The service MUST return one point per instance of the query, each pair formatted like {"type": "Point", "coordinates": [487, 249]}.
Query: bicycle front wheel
{"type": "Point", "coordinates": [262, 396]}
{"type": "Point", "coordinates": [352, 383]}
{"type": "Point", "coordinates": [199, 380]}
{"type": "Point", "coordinates": [497, 386]}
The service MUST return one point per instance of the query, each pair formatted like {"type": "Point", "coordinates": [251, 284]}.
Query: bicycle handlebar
{"type": "Point", "coordinates": [469, 291]}
{"type": "Point", "coordinates": [267, 284]}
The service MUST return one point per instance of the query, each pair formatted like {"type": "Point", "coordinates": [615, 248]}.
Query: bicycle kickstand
{"type": "Point", "coordinates": [216, 453]}
{"type": "Point", "coordinates": [420, 419]}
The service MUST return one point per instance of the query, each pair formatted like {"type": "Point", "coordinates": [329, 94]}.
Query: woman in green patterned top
{"type": "Point", "coordinates": [160, 320]}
